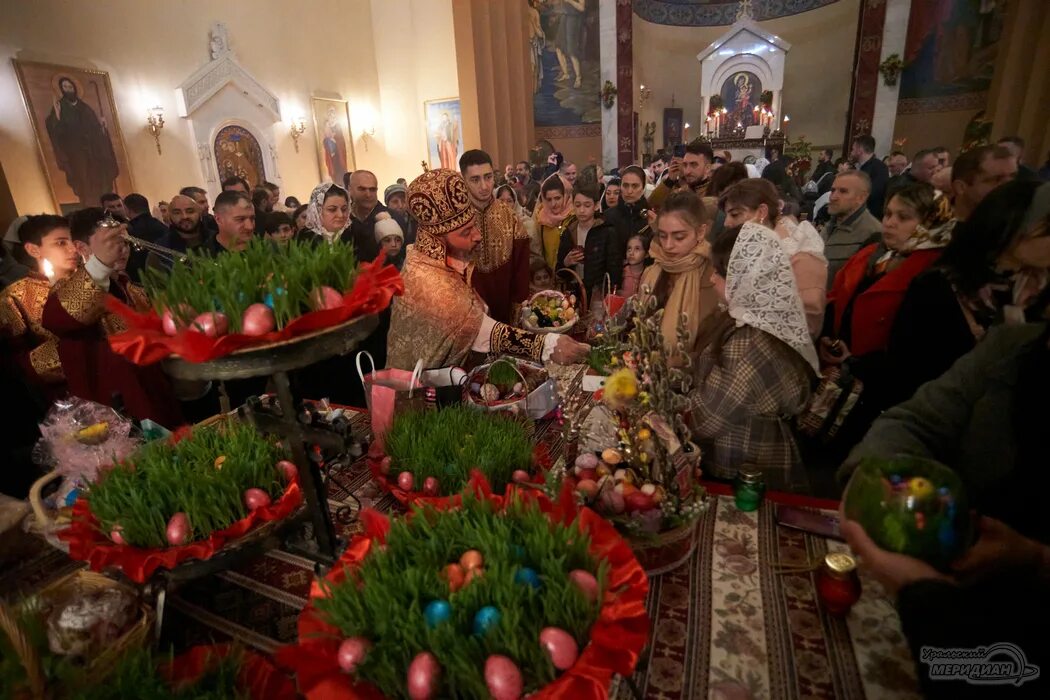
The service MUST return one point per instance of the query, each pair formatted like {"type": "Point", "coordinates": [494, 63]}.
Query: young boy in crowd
{"type": "Point", "coordinates": [632, 271]}
{"type": "Point", "coordinates": [277, 227]}
{"type": "Point", "coordinates": [391, 239]}
{"type": "Point", "coordinates": [589, 245]}
{"type": "Point", "coordinates": [47, 242]}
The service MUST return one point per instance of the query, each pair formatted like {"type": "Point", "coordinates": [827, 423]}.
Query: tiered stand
{"type": "Point", "coordinates": [321, 545]}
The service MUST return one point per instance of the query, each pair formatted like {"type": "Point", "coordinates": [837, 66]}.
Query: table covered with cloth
{"type": "Point", "coordinates": [724, 625]}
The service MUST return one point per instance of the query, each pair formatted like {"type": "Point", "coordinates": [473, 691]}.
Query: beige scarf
{"type": "Point", "coordinates": [692, 294]}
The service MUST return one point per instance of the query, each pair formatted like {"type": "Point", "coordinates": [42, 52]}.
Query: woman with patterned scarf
{"type": "Point", "coordinates": [327, 214]}
{"type": "Point", "coordinates": [868, 292]}
{"type": "Point", "coordinates": [994, 271]}
{"type": "Point", "coordinates": [757, 362]}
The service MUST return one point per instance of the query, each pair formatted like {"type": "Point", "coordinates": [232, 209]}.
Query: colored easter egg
{"type": "Point", "coordinates": [287, 469]}
{"type": "Point", "coordinates": [485, 619]}
{"type": "Point", "coordinates": [211, 323]}
{"type": "Point", "coordinates": [423, 675]}
{"type": "Point", "coordinates": [527, 577]}
{"type": "Point", "coordinates": [585, 581]}
{"type": "Point", "coordinates": [257, 320]}
{"type": "Point", "coordinates": [436, 612]}
{"type": "Point", "coordinates": [471, 559]}
{"type": "Point", "coordinates": [352, 652]}
{"type": "Point", "coordinates": [430, 486]}
{"type": "Point", "coordinates": [256, 498]}
{"type": "Point", "coordinates": [455, 575]}
{"type": "Point", "coordinates": [405, 481]}
{"type": "Point", "coordinates": [560, 646]}
{"type": "Point", "coordinates": [502, 678]}
{"type": "Point", "coordinates": [178, 530]}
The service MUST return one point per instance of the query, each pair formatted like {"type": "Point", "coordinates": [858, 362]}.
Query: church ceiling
{"type": "Point", "coordinates": [715, 13]}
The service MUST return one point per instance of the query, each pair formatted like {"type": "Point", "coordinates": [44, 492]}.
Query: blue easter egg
{"type": "Point", "coordinates": [486, 618]}
{"type": "Point", "coordinates": [71, 497]}
{"type": "Point", "coordinates": [527, 577]}
{"type": "Point", "coordinates": [436, 612]}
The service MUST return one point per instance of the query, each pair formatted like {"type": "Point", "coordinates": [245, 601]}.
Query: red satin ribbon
{"type": "Point", "coordinates": [145, 341]}
{"type": "Point", "coordinates": [616, 639]}
{"type": "Point", "coordinates": [477, 483]}
{"type": "Point", "coordinates": [88, 543]}
{"type": "Point", "coordinates": [258, 675]}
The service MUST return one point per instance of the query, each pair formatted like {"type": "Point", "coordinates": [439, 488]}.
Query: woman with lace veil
{"type": "Point", "coordinates": [757, 200]}
{"type": "Point", "coordinates": [757, 363]}
{"type": "Point", "coordinates": [327, 214]}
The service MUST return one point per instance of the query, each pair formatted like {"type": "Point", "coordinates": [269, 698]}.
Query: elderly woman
{"type": "Point", "coordinates": [757, 200]}
{"type": "Point", "coordinates": [327, 214]}
{"type": "Point", "coordinates": [757, 363]}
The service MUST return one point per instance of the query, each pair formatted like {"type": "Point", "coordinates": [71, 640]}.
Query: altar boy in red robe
{"type": "Point", "coordinates": [75, 312]}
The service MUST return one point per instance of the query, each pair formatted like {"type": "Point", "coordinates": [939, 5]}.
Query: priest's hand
{"type": "Point", "coordinates": [107, 244]}
{"type": "Point", "coordinates": [567, 351]}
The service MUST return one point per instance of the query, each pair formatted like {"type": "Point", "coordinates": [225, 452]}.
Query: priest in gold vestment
{"type": "Point", "coordinates": [441, 319]}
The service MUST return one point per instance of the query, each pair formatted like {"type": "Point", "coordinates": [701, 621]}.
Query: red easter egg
{"type": "Point", "coordinates": [430, 486]}
{"type": "Point", "coordinates": [472, 574]}
{"type": "Point", "coordinates": [256, 498]}
{"type": "Point", "coordinates": [456, 577]}
{"type": "Point", "coordinates": [352, 652]}
{"type": "Point", "coordinates": [211, 324]}
{"type": "Point", "coordinates": [115, 535]}
{"type": "Point", "coordinates": [178, 531]}
{"type": "Point", "coordinates": [586, 582]}
{"type": "Point", "coordinates": [471, 559]}
{"type": "Point", "coordinates": [612, 501]}
{"type": "Point", "coordinates": [257, 320]}
{"type": "Point", "coordinates": [168, 323]}
{"type": "Point", "coordinates": [325, 298]}
{"type": "Point", "coordinates": [288, 469]}
{"type": "Point", "coordinates": [636, 500]}
{"type": "Point", "coordinates": [561, 647]}
{"type": "Point", "coordinates": [423, 675]}
{"type": "Point", "coordinates": [384, 466]}
{"type": "Point", "coordinates": [588, 487]}
{"type": "Point", "coordinates": [520, 476]}
{"type": "Point", "coordinates": [406, 481]}
{"type": "Point", "coordinates": [503, 678]}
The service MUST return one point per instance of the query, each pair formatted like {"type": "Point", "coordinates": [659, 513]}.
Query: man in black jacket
{"type": "Point", "coordinates": [825, 164]}
{"type": "Point", "coordinates": [862, 153]}
{"type": "Point", "coordinates": [142, 225]}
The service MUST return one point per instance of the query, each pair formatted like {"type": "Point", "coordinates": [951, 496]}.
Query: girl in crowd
{"type": "Point", "coordinates": [680, 277]}
{"type": "Point", "coordinates": [867, 294]}
{"type": "Point", "coordinates": [327, 214]}
{"type": "Point", "coordinates": [756, 363]}
{"type": "Point", "coordinates": [629, 214]}
{"type": "Point", "coordinates": [994, 270]}
{"type": "Point", "coordinates": [553, 215]}
{"type": "Point", "coordinates": [612, 194]}
{"type": "Point", "coordinates": [635, 265]}
{"type": "Point", "coordinates": [756, 200]}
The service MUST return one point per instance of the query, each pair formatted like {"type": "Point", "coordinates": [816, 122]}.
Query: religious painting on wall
{"type": "Point", "coordinates": [565, 59]}
{"type": "Point", "coordinates": [335, 145]}
{"type": "Point", "coordinates": [740, 93]}
{"type": "Point", "coordinates": [444, 132]}
{"type": "Point", "coordinates": [673, 123]}
{"type": "Point", "coordinates": [949, 55]}
{"type": "Point", "coordinates": [75, 121]}
{"type": "Point", "coordinates": [238, 154]}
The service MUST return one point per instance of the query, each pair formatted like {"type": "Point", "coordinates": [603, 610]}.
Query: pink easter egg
{"type": "Point", "coordinates": [211, 323]}
{"type": "Point", "coordinates": [586, 582]}
{"type": "Point", "coordinates": [325, 298]}
{"type": "Point", "coordinates": [256, 498]}
{"type": "Point", "coordinates": [352, 652]}
{"type": "Point", "coordinates": [287, 469]}
{"type": "Point", "coordinates": [423, 675]}
{"type": "Point", "coordinates": [257, 320]}
{"type": "Point", "coordinates": [430, 486]}
{"type": "Point", "coordinates": [178, 530]}
{"type": "Point", "coordinates": [561, 647]}
{"type": "Point", "coordinates": [502, 678]}
{"type": "Point", "coordinates": [405, 481]}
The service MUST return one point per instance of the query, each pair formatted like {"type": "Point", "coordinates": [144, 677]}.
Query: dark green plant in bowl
{"type": "Point", "coordinates": [912, 506]}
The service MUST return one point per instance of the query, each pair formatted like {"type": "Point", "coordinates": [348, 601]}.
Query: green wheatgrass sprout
{"type": "Point", "coordinates": [136, 676]}
{"type": "Point", "coordinates": [504, 375]}
{"type": "Point", "coordinates": [141, 493]}
{"type": "Point", "coordinates": [450, 442]}
{"type": "Point", "coordinates": [231, 282]}
{"type": "Point", "coordinates": [383, 600]}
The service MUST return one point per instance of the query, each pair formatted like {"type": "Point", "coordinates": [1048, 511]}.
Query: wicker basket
{"type": "Point", "coordinates": [526, 309]}
{"type": "Point", "coordinates": [79, 582]}
{"type": "Point", "coordinates": [666, 551]}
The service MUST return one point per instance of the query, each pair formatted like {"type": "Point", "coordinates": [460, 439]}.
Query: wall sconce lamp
{"type": "Point", "coordinates": [154, 123]}
{"type": "Point", "coordinates": [298, 128]}
{"type": "Point", "coordinates": [644, 94]}
{"type": "Point", "coordinates": [365, 133]}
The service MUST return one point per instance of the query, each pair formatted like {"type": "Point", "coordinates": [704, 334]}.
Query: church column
{"type": "Point", "coordinates": [607, 53]}
{"type": "Point", "coordinates": [866, 73]}
{"type": "Point", "coordinates": [625, 82]}
{"type": "Point", "coordinates": [894, 33]}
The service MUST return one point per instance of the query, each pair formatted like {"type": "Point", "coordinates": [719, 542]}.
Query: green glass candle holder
{"type": "Point", "coordinates": [749, 488]}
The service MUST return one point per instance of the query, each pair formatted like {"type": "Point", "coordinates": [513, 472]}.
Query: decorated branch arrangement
{"type": "Point", "coordinates": [436, 451]}
{"type": "Point", "coordinates": [253, 293]}
{"type": "Point", "coordinates": [174, 494]}
{"type": "Point", "coordinates": [645, 475]}
{"type": "Point", "coordinates": [486, 600]}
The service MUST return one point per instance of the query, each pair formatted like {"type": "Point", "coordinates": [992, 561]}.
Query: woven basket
{"type": "Point", "coordinates": [79, 582]}
{"type": "Point", "coordinates": [526, 309]}
{"type": "Point", "coordinates": [666, 551]}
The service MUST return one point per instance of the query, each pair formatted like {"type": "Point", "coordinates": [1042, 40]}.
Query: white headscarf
{"type": "Point", "coordinates": [761, 290]}
{"type": "Point", "coordinates": [801, 238]}
{"type": "Point", "coordinates": [313, 212]}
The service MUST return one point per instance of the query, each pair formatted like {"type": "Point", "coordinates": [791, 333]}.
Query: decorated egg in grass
{"type": "Point", "coordinates": [325, 298]}
{"type": "Point", "coordinates": [170, 324]}
{"type": "Point", "coordinates": [405, 481]}
{"type": "Point", "coordinates": [257, 320]}
{"type": "Point", "coordinates": [485, 619]}
{"type": "Point", "coordinates": [424, 674]}
{"type": "Point", "coordinates": [527, 577]}
{"type": "Point", "coordinates": [587, 460]}
{"type": "Point", "coordinates": [211, 323]}
{"type": "Point", "coordinates": [116, 536]}
{"type": "Point", "coordinates": [471, 559]}
{"type": "Point", "coordinates": [520, 476]}
{"type": "Point", "coordinates": [178, 530]}
{"type": "Point", "coordinates": [560, 646]}
{"type": "Point", "coordinates": [430, 486]}
{"type": "Point", "coordinates": [503, 678]}
{"type": "Point", "coordinates": [586, 583]}
{"type": "Point", "coordinates": [352, 652]}
{"type": "Point", "coordinates": [436, 612]}
{"type": "Point", "coordinates": [455, 575]}
{"type": "Point", "coordinates": [287, 469]}
{"type": "Point", "coordinates": [256, 498]}
{"type": "Point", "coordinates": [913, 506]}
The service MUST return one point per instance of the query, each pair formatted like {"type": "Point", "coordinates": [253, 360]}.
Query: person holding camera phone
{"type": "Point", "coordinates": [690, 169]}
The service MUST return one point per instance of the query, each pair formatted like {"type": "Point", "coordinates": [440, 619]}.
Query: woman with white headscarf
{"type": "Point", "coordinates": [327, 214]}
{"type": "Point", "coordinates": [757, 365]}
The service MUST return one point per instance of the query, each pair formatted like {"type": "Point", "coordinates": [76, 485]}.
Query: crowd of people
{"type": "Point", "coordinates": [872, 306]}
